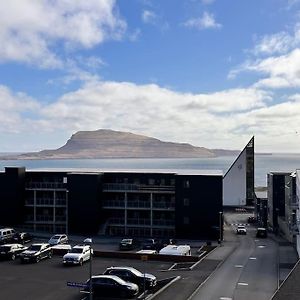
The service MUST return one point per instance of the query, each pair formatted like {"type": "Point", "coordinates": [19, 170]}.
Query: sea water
{"type": "Point", "coordinates": [263, 164]}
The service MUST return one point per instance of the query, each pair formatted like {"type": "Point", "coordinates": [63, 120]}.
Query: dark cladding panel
{"type": "Point", "coordinates": [250, 172]}
{"type": "Point", "coordinates": [12, 188]}
{"type": "Point", "coordinates": [198, 206]}
{"type": "Point", "coordinates": [84, 203]}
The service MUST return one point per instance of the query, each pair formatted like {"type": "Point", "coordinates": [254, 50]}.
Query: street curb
{"type": "Point", "coordinates": [163, 288]}
{"type": "Point", "coordinates": [212, 273]}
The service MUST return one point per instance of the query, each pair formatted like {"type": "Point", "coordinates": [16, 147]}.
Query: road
{"type": "Point", "coordinates": [250, 272]}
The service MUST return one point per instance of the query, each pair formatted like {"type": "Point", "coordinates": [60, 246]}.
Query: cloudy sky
{"type": "Point", "coordinates": [207, 72]}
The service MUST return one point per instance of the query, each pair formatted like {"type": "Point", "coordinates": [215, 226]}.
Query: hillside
{"type": "Point", "coordinates": [116, 144]}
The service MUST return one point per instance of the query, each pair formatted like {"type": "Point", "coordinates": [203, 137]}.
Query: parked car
{"type": "Point", "coordinates": [77, 255]}
{"type": "Point", "coordinates": [150, 244]}
{"type": "Point", "coordinates": [22, 237]}
{"type": "Point", "coordinates": [133, 275]}
{"type": "Point", "coordinates": [111, 286]}
{"type": "Point", "coordinates": [261, 232]}
{"type": "Point", "coordinates": [11, 251]}
{"type": "Point", "coordinates": [36, 252]}
{"type": "Point", "coordinates": [6, 235]}
{"type": "Point", "coordinates": [129, 244]}
{"type": "Point", "coordinates": [58, 239]}
{"type": "Point", "coordinates": [241, 229]}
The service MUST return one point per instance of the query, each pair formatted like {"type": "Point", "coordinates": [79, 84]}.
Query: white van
{"type": "Point", "coordinates": [6, 235]}
{"type": "Point", "coordinates": [182, 250]}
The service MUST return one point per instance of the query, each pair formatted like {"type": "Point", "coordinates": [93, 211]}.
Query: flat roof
{"type": "Point", "coordinates": [139, 171]}
{"type": "Point", "coordinates": [261, 194]}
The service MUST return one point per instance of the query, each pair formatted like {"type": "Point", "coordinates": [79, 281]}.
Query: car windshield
{"type": "Point", "coordinates": [126, 241]}
{"type": "Point", "coordinates": [76, 250]}
{"type": "Point", "coordinates": [241, 227]}
{"type": "Point", "coordinates": [56, 237]}
{"type": "Point", "coordinates": [149, 241]}
{"type": "Point", "coordinates": [35, 247]}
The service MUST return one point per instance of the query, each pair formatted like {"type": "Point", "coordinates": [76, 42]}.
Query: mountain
{"type": "Point", "coordinates": [105, 143]}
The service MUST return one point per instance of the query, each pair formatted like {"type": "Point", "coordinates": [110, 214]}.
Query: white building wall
{"type": "Point", "coordinates": [298, 210]}
{"type": "Point", "coordinates": [234, 183]}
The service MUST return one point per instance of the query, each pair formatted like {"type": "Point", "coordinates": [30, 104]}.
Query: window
{"type": "Point", "coordinates": [186, 184]}
{"type": "Point", "coordinates": [151, 181]}
{"type": "Point", "coordinates": [186, 202]}
{"type": "Point", "coordinates": [186, 220]}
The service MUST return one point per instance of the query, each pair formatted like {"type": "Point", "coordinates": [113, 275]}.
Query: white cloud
{"type": "Point", "coordinates": [222, 119]}
{"type": "Point", "coordinates": [278, 43]}
{"type": "Point", "coordinates": [29, 29]}
{"type": "Point", "coordinates": [283, 71]}
{"type": "Point", "coordinates": [149, 17]}
{"type": "Point", "coordinates": [206, 21]}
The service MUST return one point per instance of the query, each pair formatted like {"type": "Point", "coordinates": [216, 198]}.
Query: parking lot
{"type": "Point", "coordinates": [48, 278]}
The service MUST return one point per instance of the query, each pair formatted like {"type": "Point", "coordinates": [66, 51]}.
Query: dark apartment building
{"type": "Point", "coordinates": [183, 204]}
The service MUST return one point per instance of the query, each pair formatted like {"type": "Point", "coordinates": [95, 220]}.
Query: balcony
{"type": "Point", "coordinates": [45, 219]}
{"type": "Point", "coordinates": [163, 223]}
{"type": "Point", "coordinates": [113, 204]}
{"type": "Point", "coordinates": [138, 222]}
{"type": "Point", "coordinates": [138, 204]}
{"type": "Point", "coordinates": [113, 187]}
{"type": "Point", "coordinates": [45, 185]}
{"type": "Point", "coordinates": [163, 205]}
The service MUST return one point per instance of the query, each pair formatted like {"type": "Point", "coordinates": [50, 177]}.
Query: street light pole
{"type": "Point", "coordinates": [220, 225]}
{"type": "Point", "coordinates": [89, 241]}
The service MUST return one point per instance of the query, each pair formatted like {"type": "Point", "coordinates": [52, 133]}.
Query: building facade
{"type": "Point", "coordinates": [184, 204]}
{"type": "Point", "coordinates": [238, 182]}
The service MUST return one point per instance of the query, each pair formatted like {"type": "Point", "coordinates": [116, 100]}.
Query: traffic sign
{"type": "Point", "coordinates": [77, 284]}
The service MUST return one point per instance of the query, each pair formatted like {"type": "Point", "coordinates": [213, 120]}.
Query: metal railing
{"type": "Point", "coordinates": [113, 203]}
{"type": "Point", "coordinates": [45, 185]}
{"type": "Point", "coordinates": [136, 187]}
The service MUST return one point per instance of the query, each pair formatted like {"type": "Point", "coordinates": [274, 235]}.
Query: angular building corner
{"type": "Point", "coordinates": [238, 181]}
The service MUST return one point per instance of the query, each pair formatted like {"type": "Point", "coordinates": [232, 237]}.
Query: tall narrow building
{"type": "Point", "coordinates": [238, 182]}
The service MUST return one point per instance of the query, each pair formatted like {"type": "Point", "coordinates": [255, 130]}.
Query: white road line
{"type": "Point", "coordinates": [242, 283]}
{"type": "Point", "coordinates": [225, 298]}
{"type": "Point", "coordinates": [238, 266]}
{"type": "Point", "coordinates": [261, 246]}
{"type": "Point", "coordinates": [252, 258]}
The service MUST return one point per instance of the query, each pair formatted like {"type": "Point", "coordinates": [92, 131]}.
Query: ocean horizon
{"type": "Point", "coordinates": [263, 164]}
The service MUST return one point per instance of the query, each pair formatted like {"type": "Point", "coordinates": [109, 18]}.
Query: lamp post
{"type": "Point", "coordinates": [220, 225]}
{"type": "Point", "coordinates": [89, 242]}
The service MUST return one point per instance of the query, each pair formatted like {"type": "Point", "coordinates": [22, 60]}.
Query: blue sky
{"type": "Point", "coordinates": [208, 72]}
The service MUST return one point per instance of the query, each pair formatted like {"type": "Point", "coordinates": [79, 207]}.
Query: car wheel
{"type": "Point", "coordinates": [123, 294]}
{"type": "Point", "coordinates": [50, 254]}
{"type": "Point", "coordinates": [81, 262]}
{"type": "Point", "coordinates": [37, 259]}
{"type": "Point", "coordinates": [13, 256]}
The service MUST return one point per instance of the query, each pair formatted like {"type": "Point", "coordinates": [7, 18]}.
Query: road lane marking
{"type": "Point", "coordinates": [225, 298]}
{"type": "Point", "coordinates": [261, 246]}
{"type": "Point", "coordinates": [252, 258]}
{"type": "Point", "coordinates": [242, 283]}
{"type": "Point", "coordinates": [238, 266]}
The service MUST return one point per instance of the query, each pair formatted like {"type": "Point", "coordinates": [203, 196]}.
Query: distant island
{"type": "Point", "coordinates": [105, 143]}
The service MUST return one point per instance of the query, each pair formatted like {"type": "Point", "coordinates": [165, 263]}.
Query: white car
{"type": "Point", "coordinates": [241, 229]}
{"type": "Point", "coordinates": [77, 255]}
{"type": "Point", "coordinates": [58, 239]}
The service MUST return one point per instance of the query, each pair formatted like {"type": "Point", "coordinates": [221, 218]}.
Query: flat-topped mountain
{"type": "Point", "coordinates": [105, 143]}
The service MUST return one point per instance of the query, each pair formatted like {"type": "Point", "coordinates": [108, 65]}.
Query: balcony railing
{"type": "Point", "coordinates": [159, 222]}
{"type": "Point", "coordinates": [45, 185]}
{"type": "Point", "coordinates": [136, 187]}
{"type": "Point", "coordinates": [114, 203]}
{"type": "Point", "coordinates": [45, 218]}
{"type": "Point", "coordinates": [164, 205]}
{"type": "Point", "coordinates": [138, 221]}
{"type": "Point", "coordinates": [138, 204]}
{"type": "Point", "coordinates": [46, 202]}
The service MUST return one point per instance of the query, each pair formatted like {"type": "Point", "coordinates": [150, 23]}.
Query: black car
{"type": "Point", "coordinates": [150, 244]}
{"type": "Point", "coordinates": [251, 219]}
{"type": "Point", "coordinates": [129, 244]}
{"type": "Point", "coordinates": [22, 237]}
{"type": "Point", "coordinates": [36, 252]}
{"type": "Point", "coordinates": [11, 251]}
{"type": "Point", "coordinates": [133, 275]}
{"type": "Point", "coordinates": [261, 232]}
{"type": "Point", "coordinates": [111, 286]}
